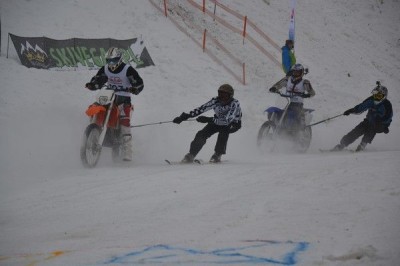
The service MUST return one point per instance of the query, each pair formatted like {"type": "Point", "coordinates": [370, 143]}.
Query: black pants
{"type": "Point", "coordinates": [209, 130]}
{"type": "Point", "coordinates": [296, 113]}
{"type": "Point", "coordinates": [365, 129]}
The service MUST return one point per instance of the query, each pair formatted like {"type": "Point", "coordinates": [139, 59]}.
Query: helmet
{"type": "Point", "coordinates": [379, 93]}
{"type": "Point", "coordinates": [113, 58]}
{"type": "Point", "coordinates": [297, 71]}
{"type": "Point", "coordinates": [226, 88]}
{"type": "Point", "coordinates": [225, 93]}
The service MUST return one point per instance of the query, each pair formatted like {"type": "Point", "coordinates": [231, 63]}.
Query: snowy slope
{"type": "Point", "coordinates": [285, 209]}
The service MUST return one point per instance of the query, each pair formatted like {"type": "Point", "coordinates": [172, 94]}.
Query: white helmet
{"type": "Point", "coordinates": [297, 72]}
{"type": "Point", "coordinates": [379, 93]}
{"type": "Point", "coordinates": [113, 58]}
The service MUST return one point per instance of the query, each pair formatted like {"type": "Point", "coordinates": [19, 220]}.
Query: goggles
{"type": "Point", "coordinates": [297, 73]}
{"type": "Point", "coordinates": [223, 94]}
{"type": "Point", "coordinates": [378, 96]}
{"type": "Point", "coordinates": [112, 61]}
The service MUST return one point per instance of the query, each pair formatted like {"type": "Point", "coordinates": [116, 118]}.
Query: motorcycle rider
{"type": "Point", "coordinates": [226, 120]}
{"type": "Point", "coordinates": [298, 88]}
{"type": "Point", "coordinates": [378, 119]}
{"type": "Point", "coordinates": [124, 80]}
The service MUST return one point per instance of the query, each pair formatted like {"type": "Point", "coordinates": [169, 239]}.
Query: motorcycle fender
{"type": "Point", "coordinates": [95, 109]}
{"type": "Point", "coordinates": [273, 110]}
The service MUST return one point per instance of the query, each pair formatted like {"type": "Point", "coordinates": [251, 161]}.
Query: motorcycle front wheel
{"type": "Point", "coordinates": [265, 134]}
{"type": "Point", "coordinates": [91, 149]}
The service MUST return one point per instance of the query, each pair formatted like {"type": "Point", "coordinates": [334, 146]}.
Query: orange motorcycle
{"type": "Point", "coordinates": [103, 130]}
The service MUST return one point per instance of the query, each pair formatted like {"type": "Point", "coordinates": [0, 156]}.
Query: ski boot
{"type": "Point", "coordinates": [338, 147]}
{"type": "Point", "coordinates": [216, 158]}
{"type": "Point", "coordinates": [189, 158]}
{"type": "Point", "coordinates": [361, 146]}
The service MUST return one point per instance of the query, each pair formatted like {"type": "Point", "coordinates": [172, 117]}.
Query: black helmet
{"type": "Point", "coordinates": [225, 93]}
{"type": "Point", "coordinates": [227, 89]}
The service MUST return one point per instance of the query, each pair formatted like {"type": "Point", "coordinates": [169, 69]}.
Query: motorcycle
{"type": "Point", "coordinates": [103, 130]}
{"type": "Point", "coordinates": [281, 126]}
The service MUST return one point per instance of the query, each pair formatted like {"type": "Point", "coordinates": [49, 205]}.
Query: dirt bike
{"type": "Point", "coordinates": [103, 129]}
{"type": "Point", "coordinates": [281, 126]}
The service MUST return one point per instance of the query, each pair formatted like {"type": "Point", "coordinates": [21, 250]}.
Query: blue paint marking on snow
{"type": "Point", "coordinates": [239, 255]}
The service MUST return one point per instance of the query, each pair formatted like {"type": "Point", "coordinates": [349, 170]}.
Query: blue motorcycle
{"type": "Point", "coordinates": [283, 125]}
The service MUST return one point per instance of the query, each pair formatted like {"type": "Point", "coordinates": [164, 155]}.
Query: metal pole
{"type": "Point", "coordinates": [324, 120]}
{"type": "Point", "coordinates": [159, 123]}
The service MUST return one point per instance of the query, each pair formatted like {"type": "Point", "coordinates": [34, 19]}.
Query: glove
{"type": "Point", "coordinates": [182, 117]}
{"type": "Point", "coordinates": [350, 111]}
{"type": "Point", "coordinates": [204, 119]}
{"type": "Point", "coordinates": [90, 86]}
{"type": "Point", "coordinates": [235, 127]}
{"type": "Point", "coordinates": [305, 95]}
{"type": "Point", "coordinates": [134, 90]}
{"type": "Point", "coordinates": [386, 130]}
{"type": "Point", "coordinates": [273, 89]}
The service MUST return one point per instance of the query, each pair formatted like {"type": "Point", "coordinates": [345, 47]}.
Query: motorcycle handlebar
{"type": "Point", "coordinates": [303, 95]}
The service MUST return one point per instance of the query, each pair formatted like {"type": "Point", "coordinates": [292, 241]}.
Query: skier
{"type": "Point", "coordinates": [288, 57]}
{"type": "Point", "coordinates": [226, 120]}
{"type": "Point", "coordinates": [297, 88]}
{"type": "Point", "coordinates": [378, 119]}
{"type": "Point", "coordinates": [124, 80]}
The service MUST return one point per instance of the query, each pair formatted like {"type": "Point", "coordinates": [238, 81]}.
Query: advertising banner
{"type": "Point", "coordinates": [75, 53]}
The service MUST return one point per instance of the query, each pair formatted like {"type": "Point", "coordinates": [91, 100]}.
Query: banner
{"type": "Point", "coordinates": [292, 29]}
{"type": "Point", "coordinates": [46, 53]}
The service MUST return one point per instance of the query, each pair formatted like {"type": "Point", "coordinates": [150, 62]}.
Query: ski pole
{"type": "Point", "coordinates": [158, 123]}
{"type": "Point", "coordinates": [316, 123]}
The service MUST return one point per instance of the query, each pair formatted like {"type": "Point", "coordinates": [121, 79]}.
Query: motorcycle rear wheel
{"type": "Point", "coordinates": [90, 149]}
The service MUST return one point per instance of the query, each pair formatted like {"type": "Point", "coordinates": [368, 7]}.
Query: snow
{"type": "Point", "coordinates": [255, 208]}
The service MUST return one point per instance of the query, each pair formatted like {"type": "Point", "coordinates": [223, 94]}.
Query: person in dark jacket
{"type": "Point", "coordinates": [124, 80]}
{"type": "Point", "coordinates": [378, 119]}
{"type": "Point", "coordinates": [226, 120]}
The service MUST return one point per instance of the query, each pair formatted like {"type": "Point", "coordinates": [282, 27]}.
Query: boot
{"type": "Point", "coordinates": [189, 158]}
{"type": "Point", "coordinates": [361, 146]}
{"type": "Point", "coordinates": [126, 143]}
{"type": "Point", "coordinates": [338, 147]}
{"type": "Point", "coordinates": [216, 158]}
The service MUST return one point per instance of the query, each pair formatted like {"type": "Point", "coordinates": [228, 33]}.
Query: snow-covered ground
{"type": "Point", "coordinates": [256, 208]}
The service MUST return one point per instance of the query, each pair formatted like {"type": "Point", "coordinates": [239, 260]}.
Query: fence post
{"type": "Point", "coordinates": [215, 8]}
{"type": "Point", "coordinates": [244, 73]}
{"type": "Point", "coordinates": [8, 43]}
{"type": "Point", "coordinates": [165, 8]}
{"type": "Point", "coordinates": [204, 40]}
{"type": "Point", "coordinates": [244, 28]}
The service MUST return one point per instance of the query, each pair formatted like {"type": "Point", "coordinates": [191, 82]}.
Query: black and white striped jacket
{"type": "Point", "coordinates": [224, 114]}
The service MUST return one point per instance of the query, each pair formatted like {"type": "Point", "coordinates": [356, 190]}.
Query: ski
{"type": "Point", "coordinates": [329, 150]}
{"type": "Point", "coordinates": [180, 162]}
{"type": "Point", "coordinates": [196, 161]}
{"type": "Point", "coordinates": [200, 161]}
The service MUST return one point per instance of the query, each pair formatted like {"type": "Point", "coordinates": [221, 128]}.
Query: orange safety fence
{"type": "Point", "coordinates": [238, 31]}
{"type": "Point", "coordinates": [204, 36]}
